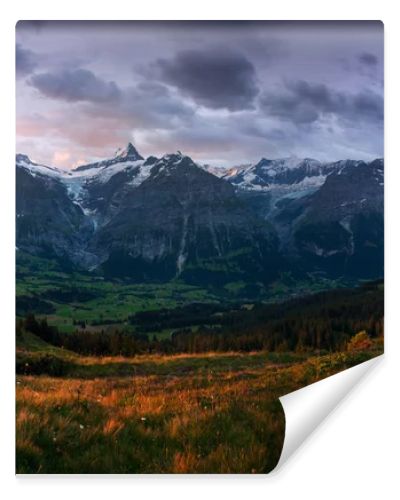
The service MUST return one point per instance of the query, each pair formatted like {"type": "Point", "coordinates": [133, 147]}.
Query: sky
{"type": "Point", "coordinates": [224, 93]}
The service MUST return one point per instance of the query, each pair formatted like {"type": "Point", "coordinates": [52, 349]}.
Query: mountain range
{"type": "Point", "coordinates": [157, 219]}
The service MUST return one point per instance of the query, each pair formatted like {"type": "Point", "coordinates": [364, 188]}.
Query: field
{"type": "Point", "coordinates": [199, 413]}
{"type": "Point", "coordinates": [120, 377]}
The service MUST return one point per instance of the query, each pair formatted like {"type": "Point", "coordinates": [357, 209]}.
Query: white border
{"type": "Point", "coordinates": [354, 453]}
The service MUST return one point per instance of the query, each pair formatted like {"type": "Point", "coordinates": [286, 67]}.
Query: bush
{"type": "Point", "coordinates": [359, 342]}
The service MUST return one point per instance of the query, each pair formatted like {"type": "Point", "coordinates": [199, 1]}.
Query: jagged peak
{"type": "Point", "coordinates": [19, 157]}
{"type": "Point", "coordinates": [150, 160]}
{"type": "Point", "coordinates": [175, 162]}
{"type": "Point", "coordinates": [175, 157]}
{"type": "Point", "coordinates": [130, 153]}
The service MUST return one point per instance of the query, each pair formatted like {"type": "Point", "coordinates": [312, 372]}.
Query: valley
{"type": "Point", "coordinates": [70, 299]}
{"type": "Point", "coordinates": [163, 307]}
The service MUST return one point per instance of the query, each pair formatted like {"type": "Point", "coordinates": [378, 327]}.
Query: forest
{"type": "Point", "coordinates": [320, 322]}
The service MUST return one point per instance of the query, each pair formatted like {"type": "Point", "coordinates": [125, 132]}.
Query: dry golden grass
{"type": "Point", "coordinates": [215, 413]}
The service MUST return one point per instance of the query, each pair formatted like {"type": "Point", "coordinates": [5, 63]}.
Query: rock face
{"type": "Point", "coordinates": [269, 185]}
{"type": "Point", "coordinates": [184, 221]}
{"type": "Point", "coordinates": [154, 220]}
{"type": "Point", "coordinates": [48, 223]}
{"type": "Point", "coordinates": [341, 226]}
{"type": "Point", "coordinates": [158, 219]}
{"type": "Point", "coordinates": [336, 228]}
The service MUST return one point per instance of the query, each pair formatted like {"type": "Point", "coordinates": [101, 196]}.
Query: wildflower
{"type": "Point", "coordinates": [81, 426]}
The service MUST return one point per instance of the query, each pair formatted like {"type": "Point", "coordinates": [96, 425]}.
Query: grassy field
{"type": "Point", "coordinates": [204, 413]}
{"type": "Point", "coordinates": [211, 412]}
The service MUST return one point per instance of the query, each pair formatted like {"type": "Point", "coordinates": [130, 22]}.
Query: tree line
{"type": "Point", "coordinates": [324, 321]}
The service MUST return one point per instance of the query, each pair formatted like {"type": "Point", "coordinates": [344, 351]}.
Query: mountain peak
{"type": "Point", "coordinates": [121, 156]}
{"type": "Point", "coordinates": [23, 161]}
{"type": "Point", "coordinates": [22, 158]}
{"type": "Point", "coordinates": [175, 158]}
{"type": "Point", "coordinates": [288, 163]}
{"type": "Point", "coordinates": [174, 162]}
{"type": "Point", "coordinates": [129, 153]}
{"type": "Point", "coordinates": [131, 149]}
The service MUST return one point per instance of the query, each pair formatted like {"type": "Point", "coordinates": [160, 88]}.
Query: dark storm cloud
{"type": "Point", "coordinates": [303, 103]}
{"type": "Point", "coordinates": [222, 92]}
{"type": "Point", "coordinates": [25, 61]}
{"type": "Point", "coordinates": [368, 59]}
{"type": "Point", "coordinates": [214, 78]}
{"type": "Point", "coordinates": [75, 85]}
{"type": "Point", "coordinates": [147, 104]}
{"type": "Point", "coordinates": [367, 105]}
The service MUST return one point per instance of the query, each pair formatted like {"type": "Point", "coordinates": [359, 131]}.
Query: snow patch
{"type": "Point", "coordinates": [35, 169]}
{"type": "Point", "coordinates": [143, 173]}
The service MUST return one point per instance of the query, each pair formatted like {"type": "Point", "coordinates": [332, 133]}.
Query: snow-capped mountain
{"type": "Point", "coordinates": [158, 218]}
{"type": "Point", "coordinates": [128, 162]}
{"type": "Point", "coordinates": [276, 174]}
{"type": "Point", "coordinates": [79, 182]}
{"type": "Point", "coordinates": [217, 171]}
{"type": "Point", "coordinates": [24, 162]}
{"type": "Point", "coordinates": [146, 219]}
{"type": "Point", "coordinates": [269, 185]}
{"type": "Point", "coordinates": [129, 154]}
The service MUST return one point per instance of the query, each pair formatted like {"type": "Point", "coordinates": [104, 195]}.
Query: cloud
{"type": "Point", "coordinates": [229, 94]}
{"type": "Point", "coordinates": [25, 61]}
{"type": "Point", "coordinates": [302, 102]}
{"type": "Point", "coordinates": [91, 116]}
{"type": "Point", "coordinates": [75, 85]}
{"type": "Point", "coordinates": [368, 59]}
{"type": "Point", "coordinates": [213, 78]}
{"type": "Point", "coordinates": [367, 105]}
{"type": "Point", "coordinates": [145, 104]}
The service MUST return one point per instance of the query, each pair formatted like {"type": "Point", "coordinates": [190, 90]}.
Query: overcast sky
{"type": "Point", "coordinates": [223, 93]}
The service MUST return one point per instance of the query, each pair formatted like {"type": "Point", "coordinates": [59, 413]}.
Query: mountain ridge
{"type": "Point", "coordinates": [168, 217]}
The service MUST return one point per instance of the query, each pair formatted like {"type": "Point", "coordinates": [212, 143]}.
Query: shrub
{"type": "Point", "coordinates": [359, 342]}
